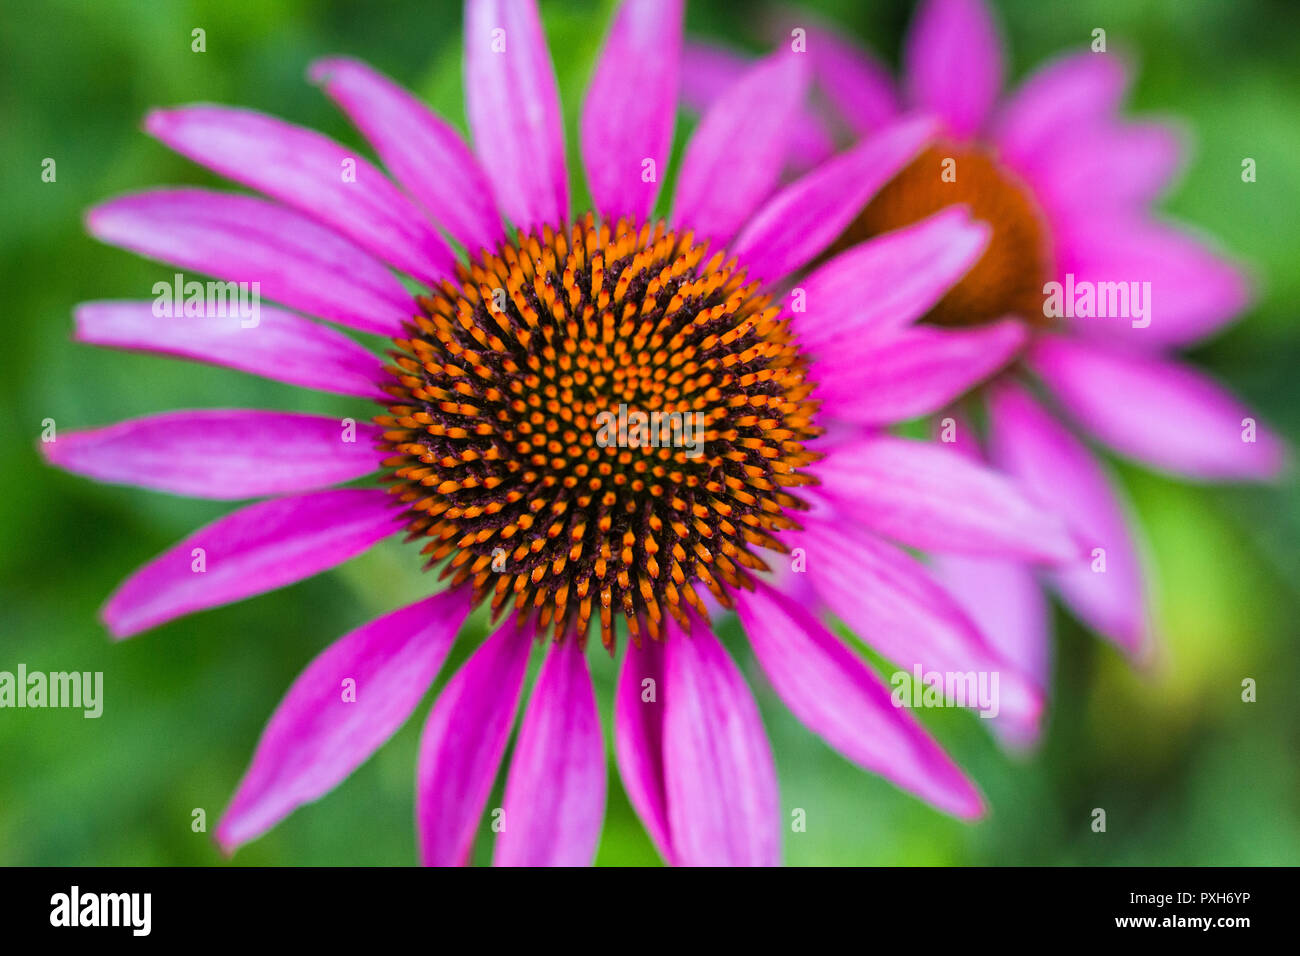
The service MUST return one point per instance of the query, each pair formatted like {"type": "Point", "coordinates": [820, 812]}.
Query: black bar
{"type": "Point", "coordinates": [875, 907]}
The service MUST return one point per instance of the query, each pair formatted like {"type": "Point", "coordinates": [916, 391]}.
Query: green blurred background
{"type": "Point", "coordinates": [1187, 772]}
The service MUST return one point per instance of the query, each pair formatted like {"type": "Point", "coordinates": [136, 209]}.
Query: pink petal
{"type": "Point", "coordinates": [251, 551]}
{"type": "Point", "coordinates": [1008, 606]}
{"type": "Point", "coordinates": [735, 156]}
{"type": "Point", "coordinates": [958, 433]}
{"type": "Point", "coordinates": [953, 63]}
{"type": "Point", "coordinates": [1052, 464]}
{"type": "Point", "coordinates": [1002, 598]}
{"type": "Point", "coordinates": [1066, 94]}
{"type": "Point", "coordinates": [1106, 164]}
{"type": "Point", "coordinates": [890, 601]}
{"type": "Point", "coordinates": [514, 111]}
{"type": "Point", "coordinates": [708, 70]}
{"type": "Point", "coordinates": [832, 691]}
{"type": "Point", "coordinates": [723, 806]}
{"type": "Point", "coordinates": [296, 261]}
{"type": "Point", "coordinates": [422, 150]}
{"type": "Point", "coordinates": [639, 738]}
{"type": "Point", "coordinates": [855, 82]}
{"type": "Point", "coordinates": [220, 453]}
{"type": "Point", "coordinates": [631, 106]}
{"type": "Point", "coordinates": [1160, 412]}
{"type": "Point", "coordinates": [1006, 603]}
{"type": "Point", "coordinates": [1193, 292]}
{"type": "Point", "coordinates": [913, 372]}
{"type": "Point", "coordinates": [283, 346]}
{"type": "Point", "coordinates": [555, 796]}
{"type": "Point", "coordinates": [318, 736]}
{"type": "Point", "coordinates": [807, 216]}
{"type": "Point", "coordinates": [311, 172]}
{"type": "Point", "coordinates": [922, 495]}
{"type": "Point", "coordinates": [462, 745]}
{"type": "Point", "coordinates": [887, 282]}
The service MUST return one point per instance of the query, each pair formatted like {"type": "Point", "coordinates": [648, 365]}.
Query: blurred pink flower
{"type": "Point", "coordinates": [477, 376]}
{"type": "Point", "coordinates": [1067, 186]}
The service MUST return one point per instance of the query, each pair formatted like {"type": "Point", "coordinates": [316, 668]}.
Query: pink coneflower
{"type": "Point", "coordinates": [1066, 186]}
{"type": "Point", "coordinates": [500, 373]}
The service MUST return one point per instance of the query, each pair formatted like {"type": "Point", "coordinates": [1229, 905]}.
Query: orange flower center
{"type": "Point", "coordinates": [589, 423]}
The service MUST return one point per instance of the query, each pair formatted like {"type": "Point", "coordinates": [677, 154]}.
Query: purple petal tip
{"type": "Point", "coordinates": [320, 70]}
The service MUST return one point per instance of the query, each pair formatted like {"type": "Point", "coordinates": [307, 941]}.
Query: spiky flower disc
{"type": "Point", "coordinates": [505, 462]}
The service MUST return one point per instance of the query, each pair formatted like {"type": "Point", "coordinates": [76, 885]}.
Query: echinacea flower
{"type": "Point", "coordinates": [1067, 186]}
{"type": "Point", "coordinates": [502, 369]}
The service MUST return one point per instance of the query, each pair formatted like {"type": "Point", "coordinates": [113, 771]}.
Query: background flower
{"type": "Point", "coordinates": [1067, 181]}
{"type": "Point", "coordinates": [1227, 587]}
